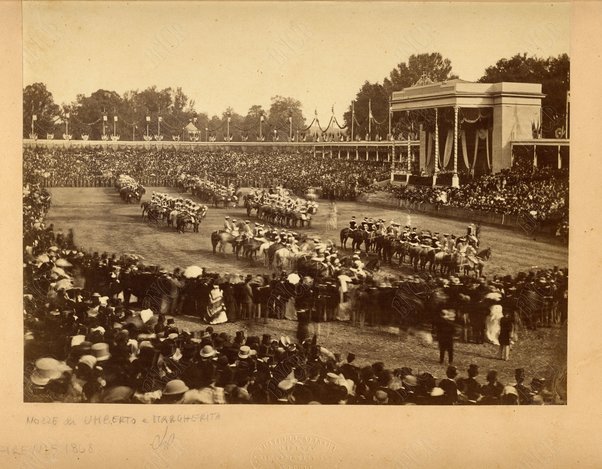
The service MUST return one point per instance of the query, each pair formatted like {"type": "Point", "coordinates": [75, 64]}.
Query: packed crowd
{"type": "Point", "coordinates": [295, 170]}
{"type": "Point", "coordinates": [539, 193]}
{"type": "Point", "coordinates": [84, 342]}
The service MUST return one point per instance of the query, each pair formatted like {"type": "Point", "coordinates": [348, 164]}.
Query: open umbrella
{"type": "Point", "coordinates": [63, 284]}
{"type": "Point", "coordinates": [43, 258]}
{"type": "Point", "coordinates": [193, 271]}
{"type": "Point", "coordinates": [146, 314]}
{"type": "Point", "coordinates": [60, 272]}
{"type": "Point", "coordinates": [63, 263]}
{"type": "Point", "coordinates": [293, 279]}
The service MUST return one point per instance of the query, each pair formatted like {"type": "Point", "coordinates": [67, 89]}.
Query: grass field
{"type": "Point", "coordinates": [103, 223]}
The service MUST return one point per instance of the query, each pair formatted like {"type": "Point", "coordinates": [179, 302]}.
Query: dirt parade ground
{"type": "Point", "coordinates": [103, 223]}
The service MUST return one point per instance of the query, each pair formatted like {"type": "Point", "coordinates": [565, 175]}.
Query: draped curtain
{"type": "Point", "coordinates": [464, 150]}
{"type": "Point", "coordinates": [449, 146]}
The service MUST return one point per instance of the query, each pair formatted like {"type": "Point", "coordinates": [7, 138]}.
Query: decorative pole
{"type": "Point", "coordinates": [369, 119]}
{"type": "Point", "coordinates": [436, 146]}
{"type": "Point", "coordinates": [455, 179]}
{"type": "Point", "coordinates": [352, 118]}
{"type": "Point", "coordinates": [390, 115]}
{"type": "Point", "coordinates": [147, 124]}
{"type": "Point", "coordinates": [67, 115]}
{"type": "Point", "coordinates": [290, 127]}
{"type": "Point", "coordinates": [115, 125]}
{"type": "Point", "coordinates": [104, 119]}
{"type": "Point", "coordinates": [260, 122]}
{"type": "Point", "coordinates": [33, 119]}
{"type": "Point", "coordinates": [159, 119]}
{"type": "Point", "coordinates": [409, 154]}
{"type": "Point", "coordinates": [228, 128]}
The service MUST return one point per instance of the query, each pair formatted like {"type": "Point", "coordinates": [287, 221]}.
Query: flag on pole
{"type": "Point", "coordinates": [35, 118]}
{"type": "Point", "coordinates": [160, 119]}
{"type": "Point", "coordinates": [147, 118]}
{"type": "Point", "coordinates": [104, 118]}
{"type": "Point", "coordinates": [115, 118]}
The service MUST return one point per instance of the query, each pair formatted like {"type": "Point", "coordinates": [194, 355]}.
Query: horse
{"type": "Point", "coordinates": [182, 221]}
{"type": "Point", "coordinates": [457, 260]}
{"type": "Point", "coordinates": [145, 206]}
{"type": "Point", "coordinates": [419, 255]}
{"type": "Point", "coordinates": [440, 259]}
{"type": "Point", "coordinates": [249, 247]}
{"type": "Point", "coordinates": [271, 251]}
{"type": "Point", "coordinates": [284, 259]}
{"type": "Point", "coordinates": [477, 267]}
{"type": "Point", "coordinates": [315, 269]}
{"type": "Point", "coordinates": [222, 238]}
{"type": "Point", "coordinates": [384, 247]}
{"type": "Point", "coordinates": [357, 236]}
{"type": "Point", "coordinates": [402, 248]}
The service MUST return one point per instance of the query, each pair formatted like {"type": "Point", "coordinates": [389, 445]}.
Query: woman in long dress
{"type": "Point", "coordinates": [492, 330]}
{"type": "Point", "coordinates": [216, 310]}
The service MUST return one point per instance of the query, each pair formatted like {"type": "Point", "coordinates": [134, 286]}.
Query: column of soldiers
{"type": "Point", "coordinates": [186, 207]}
{"type": "Point", "coordinates": [445, 242]}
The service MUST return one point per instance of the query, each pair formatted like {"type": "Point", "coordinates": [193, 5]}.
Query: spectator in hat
{"type": "Point", "coordinates": [525, 396]}
{"type": "Point", "coordinates": [247, 298]}
{"type": "Point", "coordinates": [470, 389]}
{"type": "Point", "coordinates": [445, 334]}
{"type": "Point", "coordinates": [449, 386]}
{"type": "Point", "coordinates": [492, 390]}
{"type": "Point", "coordinates": [506, 330]}
{"type": "Point", "coordinates": [174, 391]}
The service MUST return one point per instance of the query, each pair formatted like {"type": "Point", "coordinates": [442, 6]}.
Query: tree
{"type": "Point", "coordinates": [38, 101]}
{"type": "Point", "coordinates": [251, 121]}
{"type": "Point", "coordinates": [87, 113]}
{"type": "Point", "coordinates": [432, 65]}
{"type": "Point", "coordinates": [281, 109]}
{"type": "Point", "coordinates": [370, 95]}
{"type": "Point", "coordinates": [552, 73]}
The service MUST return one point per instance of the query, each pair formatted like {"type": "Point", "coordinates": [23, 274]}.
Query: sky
{"type": "Point", "coordinates": [241, 54]}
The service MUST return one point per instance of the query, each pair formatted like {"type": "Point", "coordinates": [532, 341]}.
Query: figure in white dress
{"type": "Point", "coordinates": [492, 324]}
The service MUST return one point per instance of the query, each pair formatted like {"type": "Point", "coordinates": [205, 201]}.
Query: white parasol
{"type": "Point", "coordinates": [193, 271]}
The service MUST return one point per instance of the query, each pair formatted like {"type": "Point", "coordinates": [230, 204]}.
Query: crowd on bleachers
{"type": "Point", "coordinates": [540, 193]}
{"type": "Point", "coordinates": [295, 170]}
{"type": "Point", "coordinates": [84, 342]}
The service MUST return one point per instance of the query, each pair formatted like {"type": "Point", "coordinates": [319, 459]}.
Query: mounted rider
{"type": "Point", "coordinates": [353, 224]}
{"type": "Point", "coordinates": [445, 242]}
{"type": "Point", "coordinates": [228, 225]}
{"type": "Point", "coordinates": [245, 229]}
{"type": "Point", "coordinates": [471, 252]}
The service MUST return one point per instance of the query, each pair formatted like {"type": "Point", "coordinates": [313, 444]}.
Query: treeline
{"type": "Point", "coordinates": [169, 111]}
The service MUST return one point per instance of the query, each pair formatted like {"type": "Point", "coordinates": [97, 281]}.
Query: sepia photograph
{"type": "Point", "coordinates": [296, 203]}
